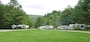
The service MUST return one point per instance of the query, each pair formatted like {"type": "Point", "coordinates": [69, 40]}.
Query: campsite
{"type": "Point", "coordinates": [44, 20]}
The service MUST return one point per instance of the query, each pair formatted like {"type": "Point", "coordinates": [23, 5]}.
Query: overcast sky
{"type": "Point", "coordinates": [41, 7]}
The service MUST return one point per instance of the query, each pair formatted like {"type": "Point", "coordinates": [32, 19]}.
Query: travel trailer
{"type": "Point", "coordinates": [72, 27]}
{"type": "Point", "coordinates": [49, 27]}
{"type": "Point", "coordinates": [20, 26]}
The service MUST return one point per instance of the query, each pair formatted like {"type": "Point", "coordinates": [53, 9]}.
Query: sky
{"type": "Point", "coordinates": [42, 7]}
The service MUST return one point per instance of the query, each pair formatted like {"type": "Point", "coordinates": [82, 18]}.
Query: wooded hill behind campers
{"type": "Point", "coordinates": [79, 14]}
{"type": "Point", "coordinates": [12, 13]}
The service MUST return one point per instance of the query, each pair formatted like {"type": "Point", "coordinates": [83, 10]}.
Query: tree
{"type": "Point", "coordinates": [14, 3]}
{"type": "Point", "coordinates": [50, 19]}
{"type": "Point", "coordinates": [38, 22]}
{"type": "Point", "coordinates": [12, 15]}
{"type": "Point", "coordinates": [84, 7]}
{"type": "Point", "coordinates": [80, 14]}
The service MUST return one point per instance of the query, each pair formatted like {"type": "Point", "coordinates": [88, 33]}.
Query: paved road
{"type": "Point", "coordinates": [5, 30]}
{"type": "Point", "coordinates": [77, 31]}
{"type": "Point", "coordinates": [59, 30]}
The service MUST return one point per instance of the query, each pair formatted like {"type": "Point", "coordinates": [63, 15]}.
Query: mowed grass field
{"type": "Point", "coordinates": [43, 36]}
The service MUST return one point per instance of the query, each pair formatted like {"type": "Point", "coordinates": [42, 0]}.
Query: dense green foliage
{"type": "Point", "coordinates": [12, 13]}
{"type": "Point", "coordinates": [34, 17]}
{"type": "Point", "coordinates": [79, 14]}
{"type": "Point", "coordinates": [43, 36]}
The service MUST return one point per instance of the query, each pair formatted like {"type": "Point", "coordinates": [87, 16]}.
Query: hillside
{"type": "Point", "coordinates": [34, 17]}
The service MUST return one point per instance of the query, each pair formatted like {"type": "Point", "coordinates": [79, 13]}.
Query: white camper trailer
{"type": "Point", "coordinates": [20, 26]}
{"type": "Point", "coordinates": [72, 27]}
{"type": "Point", "coordinates": [49, 27]}
{"type": "Point", "coordinates": [63, 27]}
{"type": "Point", "coordinates": [14, 26]}
{"type": "Point", "coordinates": [79, 26]}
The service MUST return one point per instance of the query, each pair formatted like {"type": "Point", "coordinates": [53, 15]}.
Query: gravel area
{"type": "Point", "coordinates": [77, 31]}
{"type": "Point", "coordinates": [59, 30]}
{"type": "Point", "coordinates": [5, 30]}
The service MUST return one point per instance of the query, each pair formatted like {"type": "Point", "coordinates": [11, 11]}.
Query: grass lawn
{"type": "Point", "coordinates": [43, 36]}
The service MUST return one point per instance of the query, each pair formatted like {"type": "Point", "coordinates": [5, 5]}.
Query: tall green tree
{"type": "Point", "coordinates": [84, 7]}
{"type": "Point", "coordinates": [38, 22]}
{"type": "Point", "coordinates": [10, 14]}
{"type": "Point", "coordinates": [14, 3]}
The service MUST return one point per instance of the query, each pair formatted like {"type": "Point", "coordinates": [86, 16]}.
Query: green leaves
{"type": "Point", "coordinates": [12, 15]}
{"type": "Point", "coordinates": [79, 14]}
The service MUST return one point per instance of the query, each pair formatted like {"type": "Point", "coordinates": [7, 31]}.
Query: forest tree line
{"type": "Point", "coordinates": [79, 14]}
{"type": "Point", "coordinates": [12, 13]}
